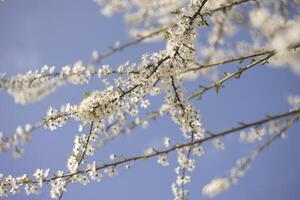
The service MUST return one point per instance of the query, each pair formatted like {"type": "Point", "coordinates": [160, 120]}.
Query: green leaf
{"type": "Point", "coordinates": [176, 12]}
{"type": "Point", "coordinates": [167, 35]}
{"type": "Point", "coordinates": [86, 94]}
{"type": "Point", "coordinates": [218, 87]}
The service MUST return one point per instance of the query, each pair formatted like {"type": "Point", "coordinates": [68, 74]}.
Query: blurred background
{"type": "Point", "coordinates": [60, 32]}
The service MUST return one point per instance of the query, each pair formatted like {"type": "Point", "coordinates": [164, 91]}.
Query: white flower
{"type": "Point", "coordinates": [215, 187]}
{"type": "Point", "coordinates": [112, 156]}
{"type": "Point", "coordinates": [162, 159]}
{"type": "Point", "coordinates": [198, 151]}
{"type": "Point", "coordinates": [182, 180]}
{"type": "Point", "coordinates": [127, 166]}
{"type": "Point", "coordinates": [149, 151]}
{"type": "Point", "coordinates": [218, 144]}
{"type": "Point", "coordinates": [111, 171]}
{"type": "Point", "coordinates": [166, 141]}
{"type": "Point", "coordinates": [72, 163]}
{"type": "Point", "coordinates": [40, 173]}
{"type": "Point", "coordinates": [145, 103]}
{"type": "Point", "coordinates": [191, 165]}
{"type": "Point", "coordinates": [19, 130]}
{"type": "Point", "coordinates": [84, 180]}
{"type": "Point", "coordinates": [294, 100]}
{"type": "Point", "coordinates": [93, 137]}
{"type": "Point", "coordinates": [182, 159]}
{"type": "Point", "coordinates": [95, 55]}
{"type": "Point", "coordinates": [31, 189]}
{"type": "Point", "coordinates": [90, 150]}
{"type": "Point", "coordinates": [95, 176]}
{"type": "Point", "coordinates": [259, 16]}
{"type": "Point", "coordinates": [28, 127]}
{"type": "Point", "coordinates": [80, 128]}
{"type": "Point", "coordinates": [252, 136]}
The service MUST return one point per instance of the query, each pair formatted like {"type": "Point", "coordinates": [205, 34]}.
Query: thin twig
{"type": "Point", "coordinates": [178, 146]}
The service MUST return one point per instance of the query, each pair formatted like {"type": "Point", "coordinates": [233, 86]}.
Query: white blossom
{"type": "Point", "coordinates": [218, 144]}
{"type": "Point", "coordinates": [111, 171]}
{"type": "Point", "coordinates": [252, 135]}
{"type": "Point", "coordinates": [182, 180]}
{"type": "Point", "coordinates": [163, 160]}
{"type": "Point", "coordinates": [84, 180]}
{"type": "Point", "coordinates": [166, 141]}
{"type": "Point", "coordinates": [216, 186]}
{"type": "Point", "coordinates": [199, 151]}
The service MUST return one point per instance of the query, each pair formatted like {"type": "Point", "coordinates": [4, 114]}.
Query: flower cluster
{"type": "Point", "coordinates": [143, 15]}
{"type": "Point", "coordinates": [84, 145]}
{"type": "Point", "coordinates": [216, 186]}
{"type": "Point", "coordinates": [20, 137]}
{"type": "Point", "coordinates": [276, 130]}
{"type": "Point", "coordinates": [283, 34]}
{"type": "Point", "coordinates": [31, 185]}
{"type": "Point", "coordinates": [98, 104]}
{"type": "Point", "coordinates": [253, 135]}
{"type": "Point", "coordinates": [294, 100]}
{"type": "Point", "coordinates": [33, 86]}
{"type": "Point", "coordinates": [54, 118]}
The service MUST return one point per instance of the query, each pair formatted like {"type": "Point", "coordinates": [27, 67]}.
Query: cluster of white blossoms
{"type": "Point", "coordinates": [258, 24]}
{"type": "Point", "coordinates": [294, 100]}
{"type": "Point", "coordinates": [54, 118]}
{"type": "Point", "coordinates": [216, 186]}
{"type": "Point", "coordinates": [185, 164]}
{"type": "Point", "coordinates": [98, 104]}
{"type": "Point", "coordinates": [30, 185]}
{"type": "Point", "coordinates": [219, 185]}
{"type": "Point", "coordinates": [35, 85]}
{"type": "Point", "coordinates": [275, 129]}
{"type": "Point", "coordinates": [282, 34]}
{"type": "Point", "coordinates": [16, 139]}
{"type": "Point", "coordinates": [144, 16]}
{"type": "Point", "coordinates": [84, 145]}
{"type": "Point", "coordinates": [125, 96]}
{"type": "Point", "coordinates": [252, 135]}
{"type": "Point", "coordinates": [32, 85]}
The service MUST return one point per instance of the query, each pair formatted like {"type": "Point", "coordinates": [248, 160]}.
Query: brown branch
{"type": "Point", "coordinates": [219, 83]}
{"type": "Point", "coordinates": [229, 60]}
{"type": "Point", "coordinates": [130, 43]}
{"type": "Point", "coordinates": [237, 74]}
{"type": "Point", "coordinates": [178, 146]}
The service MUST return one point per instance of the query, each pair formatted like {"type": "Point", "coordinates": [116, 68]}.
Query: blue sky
{"type": "Point", "coordinates": [59, 32]}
